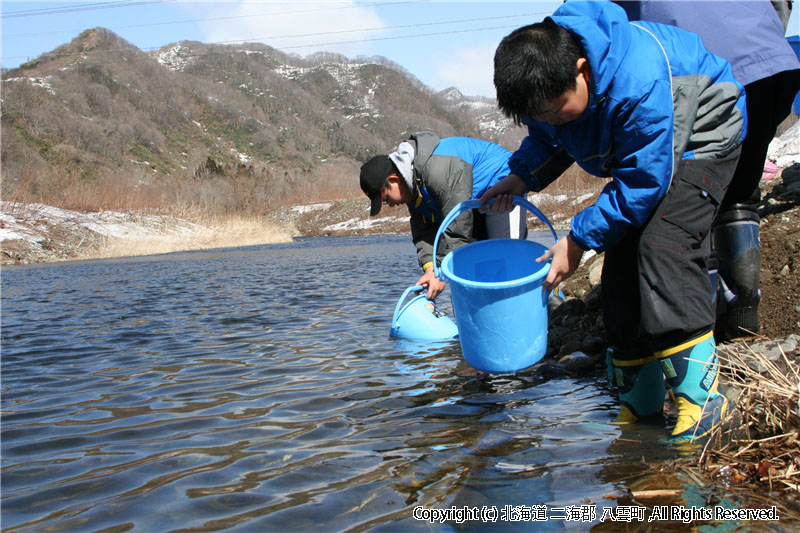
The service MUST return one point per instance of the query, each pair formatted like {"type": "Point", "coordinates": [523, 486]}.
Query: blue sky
{"type": "Point", "coordinates": [444, 43]}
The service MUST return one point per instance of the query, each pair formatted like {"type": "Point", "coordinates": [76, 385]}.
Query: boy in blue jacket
{"type": "Point", "coordinates": [648, 106]}
{"type": "Point", "coordinates": [750, 35]}
{"type": "Point", "coordinates": [433, 175]}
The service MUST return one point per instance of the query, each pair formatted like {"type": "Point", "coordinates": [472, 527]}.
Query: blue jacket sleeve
{"type": "Point", "coordinates": [642, 135]}
{"type": "Point", "coordinates": [536, 149]}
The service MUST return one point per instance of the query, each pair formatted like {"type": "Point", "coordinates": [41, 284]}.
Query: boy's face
{"type": "Point", "coordinates": [397, 192]}
{"type": "Point", "coordinates": [570, 105]}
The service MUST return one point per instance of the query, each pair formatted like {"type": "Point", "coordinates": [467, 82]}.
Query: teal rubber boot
{"type": "Point", "coordinates": [640, 385]}
{"type": "Point", "coordinates": [692, 371]}
{"type": "Point", "coordinates": [610, 367]}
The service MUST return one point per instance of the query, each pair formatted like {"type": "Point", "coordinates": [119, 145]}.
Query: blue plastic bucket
{"type": "Point", "coordinates": [498, 300]}
{"type": "Point", "coordinates": [421, 319]}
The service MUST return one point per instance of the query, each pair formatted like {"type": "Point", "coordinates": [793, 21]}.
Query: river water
{"type": "Point", "coordinates": [257, 389]}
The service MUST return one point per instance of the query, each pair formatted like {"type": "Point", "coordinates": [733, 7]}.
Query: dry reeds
{"type": "Point", "coordinates": [174, 235]}
{"type": "Point", "coordinates": [759, 442]}
{"type": "Point", "coordinates": [230, 189]}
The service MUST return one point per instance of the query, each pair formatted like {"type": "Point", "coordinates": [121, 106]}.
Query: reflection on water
{"type": "Point", "coordinates": [257, 389]}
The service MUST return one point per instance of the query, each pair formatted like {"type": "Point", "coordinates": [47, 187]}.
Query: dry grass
{"type": "Point", "coordinates": [578, 187]}
{"type": "Point", "coordinates": [574, 181]}
{"type": "Point", "coordinates": [243, 191]}
{"type": "Point", "coordinates": [205, 234]}
{"type": "Point", "coordinates": [759, 443]}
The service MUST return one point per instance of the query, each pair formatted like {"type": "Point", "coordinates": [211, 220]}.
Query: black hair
{"type": "Point", "coordinates": [532, 66]}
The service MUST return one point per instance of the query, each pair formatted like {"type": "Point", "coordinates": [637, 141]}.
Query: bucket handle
{"type": "Point", "coordinates": [474, 204]}
{"type": "Point", "coordinates": [401, 300]}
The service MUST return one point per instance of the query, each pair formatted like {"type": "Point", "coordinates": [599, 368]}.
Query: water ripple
{"type": "Point", "coordinates": [257, 389]}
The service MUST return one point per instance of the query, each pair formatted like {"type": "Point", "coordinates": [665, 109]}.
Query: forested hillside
{"type": "Point", "coordinates": [99, 124]}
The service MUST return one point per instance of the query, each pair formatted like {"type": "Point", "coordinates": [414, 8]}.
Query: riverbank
{"type": "Point", "coordinates": [756, 448]}
{"type": "Point", "coordinates": [37, 233]}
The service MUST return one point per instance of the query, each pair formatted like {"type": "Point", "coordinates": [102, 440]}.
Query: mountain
{"type": "Point", "coordinates": [492, 124]}
{"type": "Point", "coordinates": [212, 127]}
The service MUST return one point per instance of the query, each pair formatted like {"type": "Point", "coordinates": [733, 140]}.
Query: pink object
{"type": "Point", "coordinates": [770, 169]}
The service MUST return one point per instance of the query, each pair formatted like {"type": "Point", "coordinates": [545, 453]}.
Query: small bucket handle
{"type": "Point", "coordinates": [401, 300]}
{"type": "Point", "coordinates": [474, 204]}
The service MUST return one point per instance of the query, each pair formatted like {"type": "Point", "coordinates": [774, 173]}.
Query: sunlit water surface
{"type": "Point", "coordinates": [257, 389]}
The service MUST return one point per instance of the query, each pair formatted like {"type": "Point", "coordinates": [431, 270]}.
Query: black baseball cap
{"type": "Point", "coordinates": [373, 176]}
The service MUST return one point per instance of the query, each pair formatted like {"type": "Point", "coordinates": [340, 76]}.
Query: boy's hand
{"type": "Point", "coordinates": [566, 256]}
{"type": "Point", "coordinates": [434, 285]}
{"type": "Point", "coordinates": [511, 185]}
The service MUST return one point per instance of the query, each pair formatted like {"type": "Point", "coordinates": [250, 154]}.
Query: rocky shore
{"type": "Point", "coordinates": [576, 324]}
{"type": "Point", "coordinates": [37, 233]}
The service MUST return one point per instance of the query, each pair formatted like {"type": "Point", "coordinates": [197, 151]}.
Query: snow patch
{"type": "Point", "coordinates": [311, 207]}
{"type": "Point", "coordinates": [345, 74]}
{"type": "Point", "coordinates": [784, 151]}
{"type": "Point", "coordinates": [539, 198]}
{"type": "Point", "coordinates": [582, 198]}
{"type": "Point", "coordinates": [359, 224]}
{"type": "Point", "coordinates": [31, 222]}
{"type": "Point", "coordinates": [243, 158]}
{"type": "Point", "coordinates": [176, 58]}
{"type": "Point", "coordinates": [44, 83]}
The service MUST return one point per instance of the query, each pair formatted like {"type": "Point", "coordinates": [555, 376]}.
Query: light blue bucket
{"type": "Point", "coordinates": [498, 300]}
{"type": "Point", "coordinates": [421, 319]}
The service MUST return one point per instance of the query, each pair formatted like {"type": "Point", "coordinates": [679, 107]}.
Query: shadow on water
{"type": "Point", "coordinates": [257, 389]}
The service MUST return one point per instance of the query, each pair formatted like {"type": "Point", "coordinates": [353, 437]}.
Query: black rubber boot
{"type": "Point", "coordinates": [738, 251]}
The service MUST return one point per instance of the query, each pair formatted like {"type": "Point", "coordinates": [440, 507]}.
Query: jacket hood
{"type": "Point", "coordinates": [403, 159]}
{"type": "Point", "coordinates": [424, 143]}
{"type": "Point", "coordinates": [603, 30]}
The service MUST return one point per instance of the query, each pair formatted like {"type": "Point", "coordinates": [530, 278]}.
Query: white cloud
{"type": "Point", "coordinates": [295, 27]}
{"type": "Point", "coordinates": [470, 69]}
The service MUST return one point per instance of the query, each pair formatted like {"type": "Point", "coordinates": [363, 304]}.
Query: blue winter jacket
{"type": "Point", "coordinates": [451, 170]}
{"type": "Point", "coordinates": [657, 96]}
{"type": "Point", "coordinates": [489, 160]}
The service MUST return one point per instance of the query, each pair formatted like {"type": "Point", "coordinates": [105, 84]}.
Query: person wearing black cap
{"type": "Point", "coordinates": [432, 175]}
